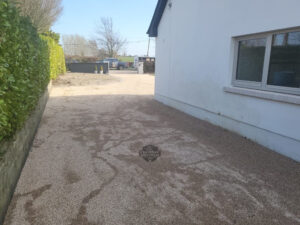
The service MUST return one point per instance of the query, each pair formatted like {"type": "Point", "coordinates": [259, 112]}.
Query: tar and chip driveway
{"type": "Point", "coordinates": [84, 167]}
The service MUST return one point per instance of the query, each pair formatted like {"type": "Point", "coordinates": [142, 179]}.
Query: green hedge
{"type": "Point", "coordinates": [56, 56]}
{"type": "Point", "coordinates": [26, 63]}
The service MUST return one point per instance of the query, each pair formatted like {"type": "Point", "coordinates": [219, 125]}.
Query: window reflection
{"type": "Point", "coordinates": [284, 67]}
{"type": "Point", "coordinates": [251, 59]}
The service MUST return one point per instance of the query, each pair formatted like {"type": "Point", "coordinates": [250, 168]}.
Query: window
{"type": "Point", "coordinates": [269, 62]}
{"type": "Point", "coordinates": [251, 59]}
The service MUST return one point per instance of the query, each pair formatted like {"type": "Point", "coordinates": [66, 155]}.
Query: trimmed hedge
{"type": "Point", "coordinates": [56, 55]}
{"type": "Point", "coordinates": [26, 62]}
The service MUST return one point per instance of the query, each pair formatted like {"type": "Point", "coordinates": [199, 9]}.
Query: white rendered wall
{"type": "Point", "coordinates": [194, 63]}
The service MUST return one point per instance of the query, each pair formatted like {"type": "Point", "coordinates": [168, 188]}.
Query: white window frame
{"type": "Point", "coordinates": [263, 84]}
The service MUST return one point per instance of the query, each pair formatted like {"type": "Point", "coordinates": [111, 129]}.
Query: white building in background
{"type": "Point", "coordinates": [234, 63]}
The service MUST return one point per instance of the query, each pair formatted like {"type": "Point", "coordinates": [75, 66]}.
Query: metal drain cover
{"type": "Point", "coordinates": [150, 153]}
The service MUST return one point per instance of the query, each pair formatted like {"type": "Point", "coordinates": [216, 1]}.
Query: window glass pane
{"type": "Point", "coordinates": [251, 59]}
{"type": "Point", "coordinates": [285, 60]}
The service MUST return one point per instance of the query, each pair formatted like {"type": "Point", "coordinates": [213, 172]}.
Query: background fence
{"type": "Point", "coordinates": [88, 67]}
{"type": "Point", "coordinates": [149, 67]}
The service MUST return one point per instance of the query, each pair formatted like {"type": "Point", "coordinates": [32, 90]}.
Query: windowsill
{"type": "Point", "coordinates": [273, 96]}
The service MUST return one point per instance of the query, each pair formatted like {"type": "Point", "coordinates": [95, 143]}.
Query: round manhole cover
{"type": "Point", "coordinates": [150, 153]}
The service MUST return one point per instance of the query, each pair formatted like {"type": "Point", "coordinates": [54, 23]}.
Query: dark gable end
{"type": "Point", "coordinates": [160, 8]}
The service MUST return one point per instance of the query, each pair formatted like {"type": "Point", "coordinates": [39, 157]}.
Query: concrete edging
{"type": "Point", "coordinates": [17, 150]}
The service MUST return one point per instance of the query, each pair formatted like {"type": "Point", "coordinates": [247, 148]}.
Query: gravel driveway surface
{"type": "Point", "coordinates": [85, 168]}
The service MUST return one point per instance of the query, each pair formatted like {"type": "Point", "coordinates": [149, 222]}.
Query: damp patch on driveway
{"type": "Point", "coordinates": [150, 153]}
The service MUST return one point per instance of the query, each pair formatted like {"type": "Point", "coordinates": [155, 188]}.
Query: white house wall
{"type": "Point", "coordinates": [194, 53]}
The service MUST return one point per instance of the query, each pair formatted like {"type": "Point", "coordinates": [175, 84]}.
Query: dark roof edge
{"type": "Point", "coordinates": [160, 8]}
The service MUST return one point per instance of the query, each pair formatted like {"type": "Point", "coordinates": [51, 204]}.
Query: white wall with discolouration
{"type": "Point", "coordinates": [194, 53]}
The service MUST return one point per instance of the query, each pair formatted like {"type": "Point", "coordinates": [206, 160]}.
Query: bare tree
{"type": "Point", "coordinates": [76, 45]}
{"type": "Point", "coordinates": [43, 13]}
{"type": "Point", "coordinates": [108, 38]}
{"type": "Point", "coordinates": [93, 48]}
{"type": "Point", "coordinates": [102, 54]}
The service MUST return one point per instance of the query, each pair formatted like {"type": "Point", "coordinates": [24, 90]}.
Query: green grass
{"type": "Point", "coordinates": [129, 59]}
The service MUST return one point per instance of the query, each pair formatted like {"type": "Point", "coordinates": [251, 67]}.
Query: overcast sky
{"type": "Point", "coordinates": [131, 19]}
